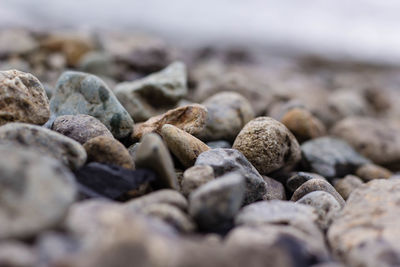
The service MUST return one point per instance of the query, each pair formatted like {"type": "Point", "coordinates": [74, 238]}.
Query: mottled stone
{"type": "Point", "coordinates": [268, 145]}
{"type": "Point", "coordinates": [105, 149]}
{"type": "Point", "coordinates": [163, 196]}
{"type": "Point", "coordinates": [275, 189]}
{"type": "Point", "coordinates": [47, 142]}
{"type": "Point", "coordinates": [299, 178]}
{"type": "Point", "coordinates": [80, 127]}
{"type": "Point", "coordinates": [82, 93]}
{"type": "Point", "coordinates": [371, 171]}
{"type": "Point", "coordinates": [224, 161]}
{"type": "Point", "coordinates": [22, 98]}
{"type": "Point", "coordinates": [196, 176]}
{"type": "Point", "coordinates": [17, 254]}
{"type": "Point", "coordinates": [347, 185]}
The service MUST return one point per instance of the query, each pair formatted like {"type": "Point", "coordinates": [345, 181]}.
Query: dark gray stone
{"type": "Point", "coordinates": [299, 178]}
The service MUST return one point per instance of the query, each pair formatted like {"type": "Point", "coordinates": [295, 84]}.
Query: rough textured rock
{"type": "Point", "coordinates": [190, 118]}
{"type": "Point", "coordinates": [346, 185]}
{"type": "Point", "coordinates": [268, 145]}
{"type": "Point", "coordinates": [184, 146]}
{"type": "Point", "coordinates": [163, 196]}
{"type": "Point", "coordinates": [224, 161]}
{"type": "Point", "coordinates": [331, 157]}
{"type": "Point", "coordinates": [213, 205]}
{"type": "Point", "coordinates": [154, 94]}
{"type": "Point", "coordinates": [371, 171]}
{"type": "Point", "coordinates": [275, 189]}
{"type": "Point", "coordinates": [153, 154]}
{"type": "Point", "coordinates": [228, 112]}
{"type": "Point", "coordinates": [80, 127]}
{"type": "Point", "coordinates": [108, 150]}
{"type": "Point", "coordinates": [196, 176]}
{"type": "Point", "coordinates": [36, 192]}
{"type": "Point", "coordinates": [299, 178]}
{"type": "Point", "coordinates": [22, 98]}
{"type": "Point", "coordinates": [366, 233]}
{"type": "Point", "coordinates": [47, 142]}
{"type": "Point", "coordinates": [82, 93]}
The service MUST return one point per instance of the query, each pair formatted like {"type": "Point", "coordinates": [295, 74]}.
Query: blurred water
{"type": "Point", "coordinates": [360, 29]}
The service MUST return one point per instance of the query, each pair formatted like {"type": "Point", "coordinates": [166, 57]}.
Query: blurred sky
{"type": "Point", "coordinates": [361, 29]}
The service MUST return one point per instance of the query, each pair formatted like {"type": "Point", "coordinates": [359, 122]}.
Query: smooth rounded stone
{"type": "Point", "coordinates": [228, 112]}
{"type": "Point", "coordinates": [371, 171]}
{"type": "Point", "coordinates": [224, 161]}
{"type": "Point", "coordinates": [373, 138]}
{"type": "Point", "coordinates": [195, 177]}
{"type": "Point", "coordinates": [82, 93]}
{"type": "Point", "coordinates": [97, 63]}
{"type": "Point", "coordinates": [80, 127]}
{"type": "Point", "coordinates": [190, 118]}
{"type": "Point", "coordinates": [105, 149]}
{"type": "Point", "coordinates": [325, 204]}
{"type": "Point", "coordinates": [36, 192]}
{"type": "Point", "coordinates": [110, 181]}
{"type": "Point", "coordinates": [275, 189]}
{"type": "Point", "coordinates": [303, 124]}
{"type": "Point", "coordinates": [184, 146]}
{"type": "Point", "coordinates": [268, 145]}
{"type": "Point", "coordinates": [16, 254]}
{"type": "Point", "coordinates": [22, 98]}
{"type": "Point", "coordinates": [300, 178]}
{"type": "Point", "coordinates": [45, 141]}
{"type": "Point", "coordinates": [16, 41]}
{"type": "Point", "coordinates": [347, 184]}
{"type": "Point", "coordinates": [331, 157]}
{"type": "Point", "coordinates": [214, 204]}
{"type": "Point", "coordinates": [154, 94]}
{"type": "Point", "coordinates": [153, 154]}
{"type": "Point", "coordinates": [367, 233]}
{"type": "Point", "coordinates": [317, 185]}
{"type": "Point", "coordinates": [219, 144]}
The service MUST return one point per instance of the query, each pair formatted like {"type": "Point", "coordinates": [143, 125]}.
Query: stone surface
{"type": "Point", "coordinates": [16, 254]}
{"type": "Point", "coordinates": [275, 189]}
{"type": "Point", "coordinates": [224, 161]}
{"type": "Point", "coordinates": [189, 118]}
{"type": "Point", "coordinates": [228, 112]}
{"type": "Point", "coordinates": [154, 94]}
{"type": "Point", "coordinates": [22, 98]}
{"type": "Point", "coordinates": [195, 177]}
{"type": "Point", "coordinates": [366, 233]}
{"type": "Point", "coordinates": [80, 127]}
{"type": "Point", "coordinates": [213, 205]}
{"type": "Point", "coordinates": [36, 192]}
{"type": "Point", "coordinates": [371, 171]}
{"type": "Point", "coordinates": [153, 154]}
{"type": "Point", "coordinates": [82, 93]}
{"type": "Point", "coordinates": [163, 196]}
{"type": "Point", "coordinates": [331, 157]}
{"type": "Point", "coordinates": [47, 142]}
{"type": "Point", "coordinates": [299, 178]}
{"type": "Point", "coordinates": [184, 146]}
{"type": "Point", "coordinates": [105, 149]}
{"type": "Point", "coordinates": [268, 145]}
{"type": "Point", "coordinates": [347, 184]}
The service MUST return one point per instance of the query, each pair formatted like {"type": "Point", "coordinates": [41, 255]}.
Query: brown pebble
{"type": "Point", "coordinates": [371, 171]}
{"type": "Point", "coordinates": [346, 185]}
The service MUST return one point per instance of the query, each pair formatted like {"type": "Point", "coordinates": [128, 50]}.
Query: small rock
{"type": "Point", "coordinates": [371, 171]}
{"type": "Point", "coordinates": [108, 150]}
{"type": "Point", "coordinates": [47, 142]}
{"type": "Point", "coordinates": [16, 254]}
{"type": "Point", "coordinates": [331, 157]}
{"type": "Point", "coordinates": [219, 144]}
{"type": "Point", "coordinates": [97, 63]}
{"type": "Point", "coordinates": [163, 196]}
{"type": "Point", "coordinates": [14, 41]}
{"type": "Point", "coordinates": [224, 161]}
{"type": "Point", "coordinates": [22, 98]}
{"type": "Point", "coordinates": [275, 189]}
{"type": "Point", "coordinates": [214, 205]}
{"type": "Point", "coordinates": [347, 185]}
{"type": "Point", "coordinates": [184, 146]}
{"type": "Point", "coordinates": [190, 118]}
{"type": "Point", "coordinates": [268, 145]}
{"type": "Point", "coordinates": [82, 93]}
{"type": "Point", "coordinates": [154, 94]}
{"type": "Point", "coordinates": [300, 178]}
{"type": "Point", "coordinates": [195, 177]}
{"type": "Point", "coordinates": [80, 127]}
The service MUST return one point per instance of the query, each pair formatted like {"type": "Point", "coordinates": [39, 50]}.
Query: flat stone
{"type": "Point", "coordinates": [275, 189]}
{"type": "Point", "coordinates": [195, 177]}
{"type": "Point", "coordinates": [82, 93]}
{"type": "Point", "coordinates": [45, 141]}
{"type": "Point", "coordinates": [347, 185]}
{"type": "Point", "coordinates": [368, 172]}
{"type": "Point", "coordinates": [268, 145]}
{"type": "Point", "coordinates": [163, 196]}
{"type": "Point", "coordinates": [224, 161]}
{"type": "Point", "coordinates": [22, 98]}
{"type": "Point", "coordinates": [299, 178]}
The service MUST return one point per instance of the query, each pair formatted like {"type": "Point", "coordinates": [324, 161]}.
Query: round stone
{"type": "Point", "coordinates": [196, 176]}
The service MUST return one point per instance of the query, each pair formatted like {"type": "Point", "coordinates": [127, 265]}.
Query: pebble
{"type": "Point", "coordinates": [154, 94]}
{"type": "Point", "coordinates": [300, 178]}
{"type": "Point", "coordinates": [80, 127]}
{"type": "Point", "coordinates": [45, 141]}
{"type": "Point", "coordinates": [368, 172]}
{"type": "Point", "coordinates": [224, 161]}
{"type": "Point", "coordinates": [275, 189]}
{"type": "Point", "coordinates": [36, 192]}
{"type": "Point", "coordinates": [163, 196]}
{"type": "Point", "coordinates": [17, 254]}
{"type": "Point", "coordinates": [105, 149]}
{"type": "Point", "coordinates": [347, 185]}
{"type": "Point", "coordinates": [97, 63]}
{"type": "Point", "coordinates": [16, 41]}
{"type": "Point", "coordinates": [22, 98]}
{"type": "Point", "coordinates": [331, 157]}
{"type": "Point", "coordinates": [228, 113]}
{"type": "Point", "coordinates": [190, 118]}
{"type": "Point", "coordinates": [214, 204]}
{"type": "Point", "coordinates": [195, 177]}
{"type": "Point", "coordinates": [82, 93]}
{"type": "Point", "coordinates": [219, 144]}
{"type": "Point", "coordinates": [268, 145]}
{"type": "Point", "coordinates": [184, 146]}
